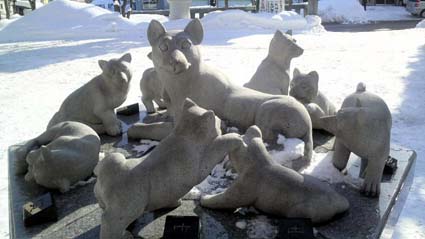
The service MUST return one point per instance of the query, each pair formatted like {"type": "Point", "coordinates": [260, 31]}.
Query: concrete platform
{"type": "Point", "coordinates": [79, 214]}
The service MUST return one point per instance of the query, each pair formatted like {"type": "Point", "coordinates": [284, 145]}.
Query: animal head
{"type": "Point", "coordinates": [252, 152]}
{"type": "Point", "coordinates": [304, 87]}
{"type": "Point", "coordinates": [117, 71]}
{"type": "Point", "coordinates": [283, 48]}
{"type": "Point", "coordinates": [347, 119]}
{"type": "Point", "coordinates": [197, 123]}
{"type": "Point", "coordinates": [41, 165]}
{"type": "Point", "coordinates": [175, 51]}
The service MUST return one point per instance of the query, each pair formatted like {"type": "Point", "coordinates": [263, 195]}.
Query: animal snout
{"type": "Point", "coordinates": [178, 62]}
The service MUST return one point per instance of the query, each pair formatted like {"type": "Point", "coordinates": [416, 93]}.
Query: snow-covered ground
{"type": "Point", "coordinates": [351, 11]}
{"type": "Point", "coordinates": [44, 57]}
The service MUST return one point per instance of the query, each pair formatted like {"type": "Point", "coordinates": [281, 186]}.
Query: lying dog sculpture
{"type": "Point", "coordinates": [126, 188]}
{"type": "Point", "coordinates": [273, 188]}
{"type": "Point", "coordinates": [93, 104]}
{"type": "Point", "coordinates": [177, 60]}
{"type": "Point", "coordinates": [63, 155]}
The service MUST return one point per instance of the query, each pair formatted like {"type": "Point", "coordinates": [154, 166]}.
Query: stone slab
{"type": "Point", "coordinates": [79, 214]}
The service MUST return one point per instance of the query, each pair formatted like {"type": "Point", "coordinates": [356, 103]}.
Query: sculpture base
{"type": "Point", "coordinates": [79, 215]}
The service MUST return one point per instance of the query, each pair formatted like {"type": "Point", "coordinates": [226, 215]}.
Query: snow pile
{"type": "Point", "coordinates": [387, 13]}
{"type": "Point", "coordinates": [346, 11]}
{"type": "Point", "coordinates": [293, 150]}
{"type": "Point", "coordinates": [75, 20]}
{"type": "Point", "coordinates": [421, 24]}
{"type": "Point", "coordinates": [238, 19]}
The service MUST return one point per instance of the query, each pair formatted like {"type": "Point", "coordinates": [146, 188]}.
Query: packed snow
{"type": "Point", "coordinates": [43, 60]}
{"type": "Point", "coordinates": [421, 24]}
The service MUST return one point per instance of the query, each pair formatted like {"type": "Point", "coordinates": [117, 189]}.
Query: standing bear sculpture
{"type": "Point", "coordinates": [126, 188]}
{"type": "Point", "coordinates": [60, 157]}
{"type": "Point", "coordinates": [177, 59]}
{"type": "Point", "coordinates": [273, 188]}
{"type": "Point", "coordinates": [272, 75]}
{"type": "Point", "coordinates": [362, 126]}
{"type": "Point", "coordinates": [152, 90]}
{"type": "Point", "coordinates": [93, 104]}
{"type": "Point", "coordinates": [305, 88]}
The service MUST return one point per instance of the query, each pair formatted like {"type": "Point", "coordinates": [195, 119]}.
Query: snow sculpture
{"type": "Point", "coordinates": [272, 76]}
{"type": "Point", "coordinates": [305, 88]}
{"type": "Point", "coordinates": [61, 156]}
{"type": "Point", "coordinates": [151, 88]}
{"type": "Point", "coordinates": [126, 188]}
{"type": "Point", "coordinates": [273, 188]}
{"type": "Point", "coordinates": [177, 60]}
{"type": "Point", "coordinates": [93, 104]}
{"type": "Point", "coordinates": [362, 126]}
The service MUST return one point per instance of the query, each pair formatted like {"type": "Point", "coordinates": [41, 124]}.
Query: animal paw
{"type": "Point", "coordinates": [371, 186]}
{"type": "Point", "coordinates": [114, 130]}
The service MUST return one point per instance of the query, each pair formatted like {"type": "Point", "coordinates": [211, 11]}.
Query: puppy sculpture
{"type": "Point", "coordinates": [126, 188]}
{"type": "Point", "coordinates": [272, 76]}
{"type": "Point", "coordinates": [93, 104]}
{"type": "Point", "coordinates": [177, 60]}
{"type": "Point", "coordinates": [362, 126]}
{"type": "Point", "coordinates": [305, 88]}
{"type": "Point", "coordinates": [273, 188]}
{"type": "Point", "coordinates": [152, 90]}
{"type": "Point", "coordinates": [61, 156]}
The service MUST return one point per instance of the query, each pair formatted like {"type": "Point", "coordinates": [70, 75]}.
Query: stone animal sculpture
{"type": "Point", "coordinates": [152, 90]}
{"type": "Point", "coordinates": [61, 156]}
{"type": "Point", "coordinates": [126, 188]}
{"type": "Point", "coordinates": [272, 76]}
{"type": "Point", "coordinates": [273, 188]}
{"type": "Point", "coordinates": [93, 104]}
{"type": "Point", "coordinates": [362, 126]}
{"type": "Point", "coordinates": [305, 88]}
{"type": "Point", "coordinates": [177, 60]}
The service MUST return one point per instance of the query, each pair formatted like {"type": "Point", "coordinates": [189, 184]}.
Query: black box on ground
{"type": "Point", "coordinates": [128, 110]}
{"type": "Point", "coordinates": [296, 228]}
{"type": "Point", "coordinates": [40, 210]}
{"type": "Point", "coordinates": [177, 227]}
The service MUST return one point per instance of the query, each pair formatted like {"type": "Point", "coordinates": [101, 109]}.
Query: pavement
{"type": "Point", "coordinates": [372, 26]}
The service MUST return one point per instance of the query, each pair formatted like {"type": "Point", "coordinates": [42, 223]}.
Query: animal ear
{"type": "Point", "coordinates": [315, 77]}
{"type": "Point", "coordinates": [289, 32]}
{"type": "Point", "coordinates": [149, 55]}
{"type": "Point", "coordinates": [296, 73]}
{"type": "Point", "coordinates": [209, 115]}
{"type": "Point", "coordinates": [278, 34]}
{"type": "Point", "coordinates": [252, 132]}
{"type": "Point", "coordinates": [102, 64]}
{"type": "Point", "coordinates": [188, 103]}
{"type": "Point", "coordinates": [126, 57]}
{"type": "Point", "coordinates": [155, 31]}
{"type": "Point", "coordinates": [195, 30]}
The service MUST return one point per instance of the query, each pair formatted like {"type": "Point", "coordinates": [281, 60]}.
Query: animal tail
{"type": "Point", "coordinates": [361, 87]}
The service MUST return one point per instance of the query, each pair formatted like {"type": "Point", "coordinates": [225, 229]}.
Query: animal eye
{"type": "Point", "coordinates": [163, 46]}
{"type": "Point", "coordinates": [186, 45]}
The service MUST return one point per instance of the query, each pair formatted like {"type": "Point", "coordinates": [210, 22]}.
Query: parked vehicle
{"type": "Point", "coordinates": [416, 7]}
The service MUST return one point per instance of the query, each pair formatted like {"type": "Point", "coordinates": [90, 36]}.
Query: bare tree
{"type": "Point", "coordinates": [32, 4]}
{"type": "Point", "coordinates": [226, 3]}
{"type": "Point", "coordinates": [7, 6]}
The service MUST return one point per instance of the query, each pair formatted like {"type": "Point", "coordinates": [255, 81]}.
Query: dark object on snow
{"type": "Point", "coordinates": [177, 227]}
{"type": "Point", "coordinates": [40, 210]}
{"type": "Point", "coordinates": [364, 4]}
{"type": "Point", "coordinates": [296, 228]}
{"type": "Point", "coordinates": [390, 165]}
{"type": "Point", "coordinates": [128, 110]}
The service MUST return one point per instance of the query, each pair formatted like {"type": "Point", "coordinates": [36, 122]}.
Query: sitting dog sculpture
{"type": "Point", "coordinates": [126, 188]}
{"type": "Point", "coordinates": [61, 156]}
{"type": "Point", "coordinates": [272, 76]}
{"type": "Point", "coordinates": [362, 126]}
{"type": "Point", "coordinates": [273, 188]}
{"type": "Point", "coordinates": [305, 88]}
{"type": "Point", "coordinates": [177, 60]}
{"type": "Point", "coordinates": [152, 89]}
{"type": "Point", "coordinates": [93, 104]}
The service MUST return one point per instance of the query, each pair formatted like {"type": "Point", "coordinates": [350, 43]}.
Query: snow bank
{"type": "Point", "coordinates": [388, 13]}
{"type": "Point", "coordinates": [238, 19]}
{"type": "Point", "coordinates": [75, 20]}
{"type": "Point", "coordinates": [342, 11]}
{"type": "Point", "coordinates": [421, 24]}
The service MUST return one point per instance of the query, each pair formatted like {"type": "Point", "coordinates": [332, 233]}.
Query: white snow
{"type": "Point", "coordinates": [351, 11]}
{"type": "Point", "coordinates": [421, 24]}
{"type": "Point", "coordinates": [45, 56]}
